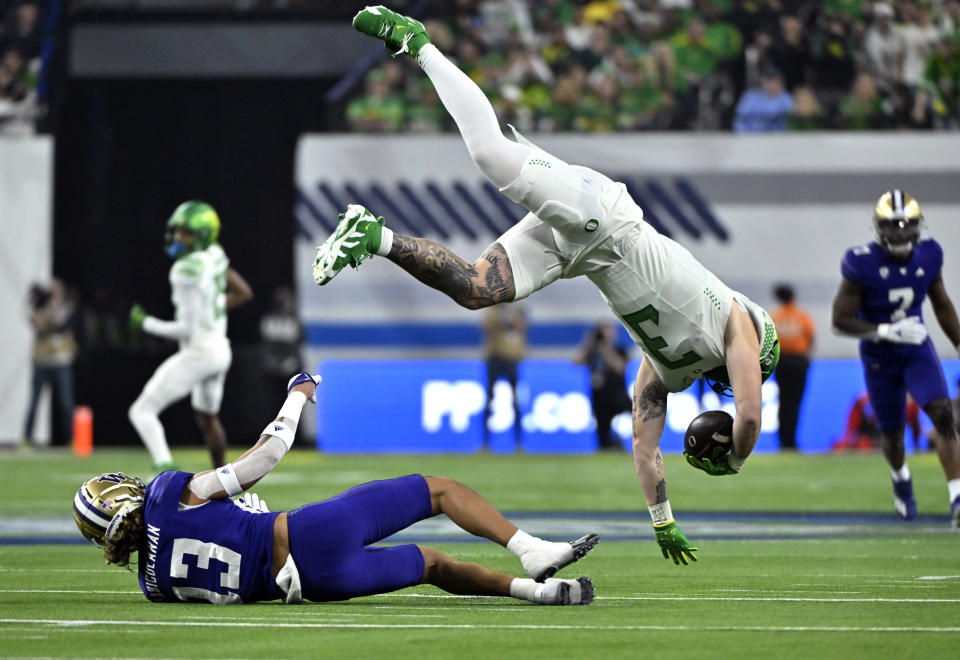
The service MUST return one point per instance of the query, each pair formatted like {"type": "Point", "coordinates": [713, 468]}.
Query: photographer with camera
{"type": "Point", "coordinates": [607, 362]}
{"type": "Point", "coordinates": [54, 349]}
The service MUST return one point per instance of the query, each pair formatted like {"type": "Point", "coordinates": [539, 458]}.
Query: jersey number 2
{"type": "Point", "coordinates": [654, 344]}
{"type": "Point", "coordinates": [204, 552]}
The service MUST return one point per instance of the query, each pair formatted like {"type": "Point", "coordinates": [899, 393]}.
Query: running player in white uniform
{"type": "Point", "coordinates": [203, 288]}
{"type": "Point", "coordinates": [686, 321]}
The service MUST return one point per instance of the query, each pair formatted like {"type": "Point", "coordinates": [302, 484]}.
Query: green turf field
{"type": "Point", "coordinates": [848, 580]}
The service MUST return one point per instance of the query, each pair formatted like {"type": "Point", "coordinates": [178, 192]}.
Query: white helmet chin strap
{"type": "Point", "coordinates": [120, 516]}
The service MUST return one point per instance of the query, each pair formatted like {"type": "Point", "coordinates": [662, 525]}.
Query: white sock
{"type": "Point", "coordinates": [524, 589]}
{"type": "Point", "coordinates": [499, 158]}
{"type": "Point", "coordinates": [953, 486]}
{"type": "Point", "coordinates": [902, 474]}
{"type": "Point", "coordinates": [386, 241]}
{"type": "Point", "coordinates": [521, 542]}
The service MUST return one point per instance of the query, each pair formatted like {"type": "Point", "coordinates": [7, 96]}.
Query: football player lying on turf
{"type": "Point", "coordinates": [686, 321]}
{"type": "Point", "coordinates": [320, 551]}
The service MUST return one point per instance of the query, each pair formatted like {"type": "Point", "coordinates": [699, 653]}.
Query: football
{"type": "Point", "coordinates": [709, 435]}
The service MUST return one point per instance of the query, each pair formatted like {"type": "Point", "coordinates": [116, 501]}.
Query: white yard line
{"type": "Point", "coordinates": [812, 599]}
{"type": "Point", "coordinates": [58, 570]}
{"type": "Point", "coordinates": [74, 624]}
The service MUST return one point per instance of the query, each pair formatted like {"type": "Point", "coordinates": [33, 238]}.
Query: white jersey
{"type": "Point", "coordinates": [583, 223]}
{"type": "Point", "coordinates": [673, 307]}
{"type": "Point", "coordinates": [198, 284]}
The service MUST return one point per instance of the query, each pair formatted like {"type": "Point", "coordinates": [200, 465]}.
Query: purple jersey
{"type": "Point", "coordinates": [215, 552]}
{"type": "Point", "coordinates": [893, 290]}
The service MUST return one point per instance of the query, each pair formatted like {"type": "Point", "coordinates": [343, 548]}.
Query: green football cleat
{"type": "Point", "coordinates": [401, 34]}
{"type": "Point", "coordinates": [356, 239]}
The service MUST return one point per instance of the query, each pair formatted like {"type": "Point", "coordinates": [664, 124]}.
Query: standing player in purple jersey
{"type": "Point", "coordinates": [883, 287]}
{"type": "Point", "coordinates": [195, 545]}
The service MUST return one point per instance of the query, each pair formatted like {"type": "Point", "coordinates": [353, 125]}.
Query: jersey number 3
{"type": "Point", "coordinates": [654, 344]}
{"type": "Point", "coordinates": [204, 552]}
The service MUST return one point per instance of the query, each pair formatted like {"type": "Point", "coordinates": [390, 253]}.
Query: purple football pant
{"type": "Point", "coordinates": [330, 540]}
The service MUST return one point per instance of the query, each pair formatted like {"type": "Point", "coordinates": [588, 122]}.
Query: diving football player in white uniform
{"type": "Point", "coordinates": [686, 321]}
{"type": "Point", "coordinates": [203, 288]}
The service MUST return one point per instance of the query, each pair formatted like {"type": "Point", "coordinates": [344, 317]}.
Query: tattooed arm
{"type": "Point", "coordinates": [649, 416]}
{"type": "Point", "coordinates": [487, 282]}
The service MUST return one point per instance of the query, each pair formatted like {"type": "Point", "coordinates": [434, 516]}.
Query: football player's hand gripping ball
{"type": "Point", "coordinates": [673, 544]}
{"type": "Point", "coordinates": [708, 443]}
{"type": "Point", "coordinates": [716, 469]}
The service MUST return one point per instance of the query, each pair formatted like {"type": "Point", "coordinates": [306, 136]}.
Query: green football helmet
{"type": "Point", "coordinates": [102, 503]}
{"type": "Point", "coordinates": [198, 218]}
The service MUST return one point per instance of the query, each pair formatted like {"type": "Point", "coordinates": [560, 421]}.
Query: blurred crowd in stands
{"type": "Point", "coordinates": [624, 65]}
{"type": "Point", "coordinates": [21, 45]}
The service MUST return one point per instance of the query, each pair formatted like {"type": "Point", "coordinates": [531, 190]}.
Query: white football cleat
{"type": "Point", "coordinates": [547, 558]}
{"type": "Point", "coordinates": [566, 592]}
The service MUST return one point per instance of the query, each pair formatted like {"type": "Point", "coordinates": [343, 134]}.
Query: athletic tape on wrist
{"type": "Point", "coordinates": [661, 513]}
{"type": "Point", "coordinates": [280, 430]}
{"type": "Point", "coordinates": [228, 479]}
{"type": "Point", "coordinates": [735, 462]}
{"type": "Point", "coordinates": [292, 408]}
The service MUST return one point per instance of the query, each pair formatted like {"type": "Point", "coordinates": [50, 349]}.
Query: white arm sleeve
{"type": "Point", "coordinates": [258, 462]}
{"type": "Point", "coordinates": [188, 299]}
{"type": "Point", "coordinates": [168, 329]}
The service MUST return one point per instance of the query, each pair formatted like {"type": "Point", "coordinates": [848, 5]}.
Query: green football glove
{"type": "Point", "coordinates": [717, 469]}
{"type": "Point", "coordinates": [673, 544]}
{"type": "Point", "coordinates": [137, 316]}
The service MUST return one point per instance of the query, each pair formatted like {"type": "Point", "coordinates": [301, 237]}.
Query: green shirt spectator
{"type": "Point", "coordinates": [640, 104]}
{"type": "Point", "coordinates": [379, 110]}
{"type": "Point", "coordinates": [694, 56]}
{"type": "Point", "coordinates": [852, 9]}
{"type": "Point", "coordinates": [862, 108]}
{"type": "Point", "coordinates": [807, 113]}
{"type": "Point", "coordinates": [595, 116]}
{"type": "Point", "coordinates": [424, 112]}
{"type": "Point", "coordinates": [724, 40]}
{"type": "Point", "coordinates": [942, 77]}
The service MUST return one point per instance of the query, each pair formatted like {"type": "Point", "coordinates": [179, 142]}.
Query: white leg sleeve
{"type": "Point", "coordinates": [172, 381]}
{"type": "Point", "coordinates": [498, 157]}
{"type": "Point", "coordinates": [143, 415]}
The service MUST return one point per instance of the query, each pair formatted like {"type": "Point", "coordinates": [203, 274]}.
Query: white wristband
{"type": "Point", "coordinates": [734, 462]}
{"type": "Point", "coordinates": [661, 513]}
{"type": "Point", "coordinates": [292, 408]}
{"type": "Point", "coordinates": [228, 479]}
{"type": "Point", "coordinates": [282, 431]}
